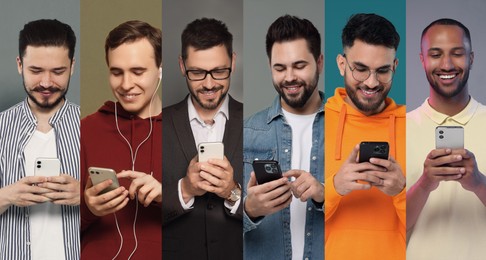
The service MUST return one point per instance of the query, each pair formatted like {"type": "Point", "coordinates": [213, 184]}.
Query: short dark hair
{"type": "Point", "coordinates": [205, 33]}
{"type": "Point", "coordinates": [447, 21]}
{"type": "Point", "coordinates": [289, 28]}
{"type": "Point", "coordinates": [45, 33]}
{"type": "Point", "coordinates": [132, 31]}
{"type": "Point", "coordinates": [371, 29]}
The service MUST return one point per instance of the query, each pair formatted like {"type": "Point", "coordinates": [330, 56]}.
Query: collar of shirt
{"type": "Point", "coordinates": [461, 118]}
{"type": "Point", "coordinates": [193, 115]}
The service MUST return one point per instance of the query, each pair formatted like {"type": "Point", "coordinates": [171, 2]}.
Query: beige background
{"type": "Point", "coordinates": [98, 18]}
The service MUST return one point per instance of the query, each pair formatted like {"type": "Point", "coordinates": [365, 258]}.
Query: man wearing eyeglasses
{"type": "Point", "coordinates": [202, 216]}
{"type": "Point", "coordinates": [365, 202]}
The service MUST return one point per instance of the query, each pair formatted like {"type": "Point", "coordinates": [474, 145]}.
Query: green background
{"type": "Point", "coordinates": [337, 14]}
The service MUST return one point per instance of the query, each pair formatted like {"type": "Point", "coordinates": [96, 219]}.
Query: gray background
{"type": "Point", "coordinates": [258, 15]}
{"type": "Point", "coordinates": [13, 16]}
{"type": "Point", "coordinates": [176, 15]}
{"type": "Point", "coordinates": [422, 13]}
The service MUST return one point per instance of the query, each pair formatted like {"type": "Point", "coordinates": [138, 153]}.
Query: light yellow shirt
{"type": "Point", "coordinates": [452, 224]}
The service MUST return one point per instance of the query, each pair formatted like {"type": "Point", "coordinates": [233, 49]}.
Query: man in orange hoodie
{"type": "Point", "coordinates": [365, 202]}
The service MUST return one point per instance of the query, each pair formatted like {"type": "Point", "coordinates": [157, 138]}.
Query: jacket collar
{"type": "Point", "coordinates": [276, 109]}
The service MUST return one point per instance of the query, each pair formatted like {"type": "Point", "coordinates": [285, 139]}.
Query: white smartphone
{"type": "Point", "coordinates": [211, 150]}
{"type": "Point", "coordinates": [99, 175]}
{"type": "Point", "coordinates": [47, 167]}
{"type": "Point", "coordinates": [449, 137]}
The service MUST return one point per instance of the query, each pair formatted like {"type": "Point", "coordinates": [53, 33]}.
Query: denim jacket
{"type": "Point", "coordinates": [268, 136]}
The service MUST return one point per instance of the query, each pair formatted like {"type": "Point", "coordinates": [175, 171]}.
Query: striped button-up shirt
{"type": "Point", "coordinates": [17, 125]}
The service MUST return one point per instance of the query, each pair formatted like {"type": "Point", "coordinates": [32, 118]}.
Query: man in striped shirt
{"type": "Point", "coordinates": [39, 214]}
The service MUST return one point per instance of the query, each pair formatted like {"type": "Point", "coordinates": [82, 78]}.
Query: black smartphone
{"type": "Point", "coordinates": [266, 170]}
{"type": "Point", "coordinates": [369, 150]}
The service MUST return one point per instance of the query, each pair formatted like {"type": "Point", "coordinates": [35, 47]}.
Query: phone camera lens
{"type": "Point", "coordinates": [38, 166]}
{"type": "Point", "coordinates": [376, 149]}
{"type": "Point", "coordinates": [39, 162]}
{"type": "Point", "coordinates": [441, 137]}
{"type": "Point", "coordinates": [202, 150]}
{"type": "Point", "coordinates": [202, 147]}
{"type": "Point", "coordinates": [441, 132]}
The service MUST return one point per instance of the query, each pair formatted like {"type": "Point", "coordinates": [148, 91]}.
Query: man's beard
{"type": "Point", "coordinates": [441, 92]}
{"type": "Point", "coordinates": [302, 98]}
{"type": "Point", "coordinates": [44, 104]}
{"type": "Point", "coordinates": [366, 107]}
{"type": "Point", "coordinates": [209, 105]}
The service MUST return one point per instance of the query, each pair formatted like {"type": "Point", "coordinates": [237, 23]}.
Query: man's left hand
{"type": "Point", "coordinates": [219, 177]}
{"type": "Point", "coordinates": [147, 188]}
{"type": "Point", "coordinates": [392, 181]}
{"type": "Point", "coordinates": [65, 190]}
{"type": "Point", "coordinates": [305, 186]}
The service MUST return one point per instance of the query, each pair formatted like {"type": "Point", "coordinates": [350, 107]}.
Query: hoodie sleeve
{"type": "Point", "coordinates": [332, 198]}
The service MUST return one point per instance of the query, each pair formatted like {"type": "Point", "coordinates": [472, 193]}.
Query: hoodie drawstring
{"type": "Point", "coordinates": [391, 135]}
{"type": "Point", "coordinates": [340, 131]}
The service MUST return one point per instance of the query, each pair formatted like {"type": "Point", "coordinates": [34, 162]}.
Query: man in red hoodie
{"type": "Point", "coordinates": [365, 202]}
{"type": "Point", "coordinates": [125, 136]}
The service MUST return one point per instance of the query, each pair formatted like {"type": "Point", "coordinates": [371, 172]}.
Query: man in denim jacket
{"type": "Point", "coordinates": [283, 219]}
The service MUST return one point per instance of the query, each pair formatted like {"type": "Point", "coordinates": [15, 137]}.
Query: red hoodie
{"type": "Point", "coordinates": [102, 146]}
{"type": "Point", "coordinates": [366, 224]}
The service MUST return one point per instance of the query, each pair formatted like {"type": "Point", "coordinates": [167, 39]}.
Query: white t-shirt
{"type": "Point", "coordinates": [301, 152]}
{"type": "Point", "coordinates": [46, 238]}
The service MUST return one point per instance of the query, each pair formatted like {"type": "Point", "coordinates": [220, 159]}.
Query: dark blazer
{"type": "Point", "coordinates": [209, 230]}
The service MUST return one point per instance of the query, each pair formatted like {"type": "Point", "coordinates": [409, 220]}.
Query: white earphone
{"type": "Point", "coordinates": [134, 158]}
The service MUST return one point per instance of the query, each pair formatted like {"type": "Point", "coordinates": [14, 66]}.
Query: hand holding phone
{"type": "Point", "coordinates": [99, 175]}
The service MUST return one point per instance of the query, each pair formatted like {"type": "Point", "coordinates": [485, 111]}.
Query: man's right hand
{"type": "Point", "coordinates": [190, 183]}
{"type": "Point", "coordinates": [24, 193]}
{"type": "Point", "coordinates": [267, 198]}
{"type": "Point", "coordinates": [346, 179]}
{"type": "Point", "coordinates": [106, 203]}
{"type": "Point", "coordinates": [436, 169]}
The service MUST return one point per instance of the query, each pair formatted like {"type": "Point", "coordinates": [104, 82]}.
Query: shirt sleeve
{"type": "Point", "coordinates": [190, 203]}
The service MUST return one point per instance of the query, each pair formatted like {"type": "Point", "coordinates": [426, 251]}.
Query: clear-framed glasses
{"type": "Point", "coordinates": [383, 75]}
{"type": "Point", "coordinates": [216, 74]}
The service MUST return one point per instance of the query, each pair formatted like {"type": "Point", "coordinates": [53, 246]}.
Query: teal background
{"type": "Point", "coordinates": [337, 14]}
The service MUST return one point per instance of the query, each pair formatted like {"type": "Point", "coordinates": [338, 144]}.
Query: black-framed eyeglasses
{"type": "Point", "coordinates": [361, 74]}
{"type": "Point", "coordinates": [216, 74]}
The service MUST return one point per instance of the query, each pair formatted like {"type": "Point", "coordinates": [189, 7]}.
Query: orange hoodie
{"type": "Point", "coordinates": [366, 224]}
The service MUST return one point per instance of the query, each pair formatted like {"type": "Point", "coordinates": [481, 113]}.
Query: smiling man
{"type": "Point", "coordinates": [125, 136]}
{"type": "Point", "coordinates": [39, 215]}
{"type": "Point", "coordinates": [284, 220]}
{"type": "Point", "coordinates": [365, 202]}
{"type": "Point", "coordinates": [446, 197]}
{"type": "Point", "coordinates": [202, 216]}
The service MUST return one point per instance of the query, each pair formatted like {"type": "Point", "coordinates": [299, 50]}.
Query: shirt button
{"type": "Point", "coordinates": [307, 258]}
{"type": "Point", "coordinates": [314, 158]}
{"type": "Point", "coordinates": [309, 208]}
{"type": "Point", "coordinates": [308, 234]}
{"type": "Point", "coordinates": [210, 206]}
{"type": "Point", "coordinates": [286, 150]}
{"type": "Point", "coordinates": [28, 243]}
